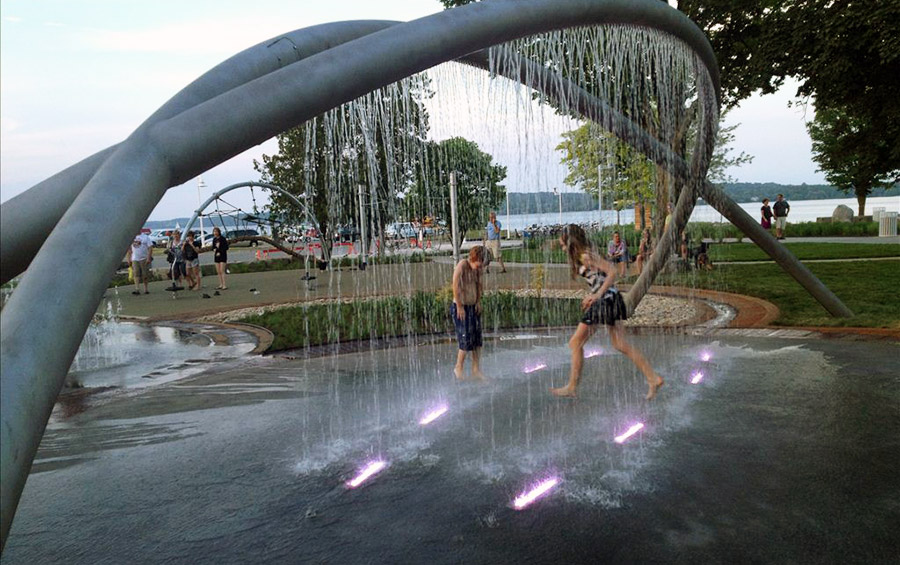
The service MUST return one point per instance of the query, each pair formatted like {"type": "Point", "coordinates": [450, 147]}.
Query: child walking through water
{"type": "Point", "coordinates": [604, 305]}
{"type": "Point", "coordinates": [466, 310]}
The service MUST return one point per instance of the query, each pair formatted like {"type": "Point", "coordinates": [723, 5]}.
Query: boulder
{"type": "Point", "coordinates": [842, 214]}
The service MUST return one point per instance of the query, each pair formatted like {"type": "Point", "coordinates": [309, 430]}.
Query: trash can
{"type": "Point", "coordinates": [887, 224]}
{"type": "Point", "coordinates": [876, 213]}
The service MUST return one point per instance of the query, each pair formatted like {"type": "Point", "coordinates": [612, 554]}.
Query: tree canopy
{"type": "Point", "coordinates": [851, 153]}
{"type": "Point", "coordinates": [477, 181]}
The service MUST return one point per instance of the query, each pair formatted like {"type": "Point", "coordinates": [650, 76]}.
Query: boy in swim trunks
{"type": "Point", "coordinates": [466, 309]}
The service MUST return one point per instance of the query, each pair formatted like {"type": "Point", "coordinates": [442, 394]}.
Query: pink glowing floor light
{"type": "Point", "coordinates": [541, 489]}
{"type": "Point", "coordinates": [705, 356]}
{"type": "Point", "coordinates": [696, 377]}
{"type": "Point", "coordinates": [535, 368]}
{"type": "Point", "coordinates": [433, 415]}
{"type": "Point", "coordinates": [592, 353]}
{"type": "Point", "coordinates": [369, 470]}
{"type": "Point", "coordinates": [629, 432]}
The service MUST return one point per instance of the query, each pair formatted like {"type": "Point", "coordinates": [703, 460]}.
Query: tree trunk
{"type": "Point", "coordinates": [861, 200]}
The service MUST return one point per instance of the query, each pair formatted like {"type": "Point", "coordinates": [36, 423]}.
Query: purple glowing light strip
{"type": "Point", "coordinates": [697, 377]}
{"type": "Point", "coordinates": [527, 498]}
{"type": "Point", "coordinates": [433, 415]}
{"type": "Point", "coordinates": [367, 472]}
{"type": "Point", "coordinates": [705, 356]}
{"type": "Point", "coordinates": [630, 432]}
{"type": "Point", "coordinates": [535, 368]}
{"type": "Point", "coordinates": [592, 353]}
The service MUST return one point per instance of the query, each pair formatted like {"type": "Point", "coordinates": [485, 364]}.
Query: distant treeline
{"type": "Point", "coordinates": [544, 202]}
{"type": "Point", "coordinates": [547, 202]}
{"type": "Point", "coordinates": [756, 191]}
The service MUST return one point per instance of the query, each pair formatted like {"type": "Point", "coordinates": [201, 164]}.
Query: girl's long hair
{"type": "Point", "coordinates": [575, 242]}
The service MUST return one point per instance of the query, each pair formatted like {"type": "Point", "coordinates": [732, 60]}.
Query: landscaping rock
{"type": "Point", "coordinates": [842, 213]}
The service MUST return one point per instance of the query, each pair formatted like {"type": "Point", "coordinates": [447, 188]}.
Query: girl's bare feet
{"type": "Point", "coordinates": [565, 391]}
{"type": "Point", "coordinates": [653, 388]}
{"type": "Point", "coordinates": [478, 376]}
{"type": "Point", "coordinates": [458, 371]}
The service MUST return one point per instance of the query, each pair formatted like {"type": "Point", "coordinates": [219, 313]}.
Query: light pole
{"type": "Point", "coordinates": [600, 192]}
{"type": "Point", "coordinates": [454, 229]}
{"type": "Point", "coordinates": [558, 193]}
{"type": "Point", "coordinates": [200, 184]}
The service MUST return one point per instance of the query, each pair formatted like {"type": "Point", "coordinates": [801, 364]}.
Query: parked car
{"type": "Point", "coordinates": [232, 234]}
{"type": "Point", "coordinates": [400, 230]}
{"type": "Point", "coordinates": [160, 238]}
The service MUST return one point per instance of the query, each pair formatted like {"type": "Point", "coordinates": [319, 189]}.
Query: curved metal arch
{"type": "Point", "coordinates": [250, 184]}
{"type": "Point", "coordinates": [136, 174]}
{"type": "Point", "coordinates": [27, 218]}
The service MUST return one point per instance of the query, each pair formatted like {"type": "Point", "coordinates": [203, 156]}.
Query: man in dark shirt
{"type": "Point", "coordinates": [781, 209]}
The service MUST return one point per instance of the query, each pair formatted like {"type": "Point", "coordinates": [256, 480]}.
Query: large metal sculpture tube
{"type": "Point", "coordinates": [27, 219]}
{"type": "Point", "coordinates": [133, 179]}
{"type": "Point", "coordinates": [747, 224]}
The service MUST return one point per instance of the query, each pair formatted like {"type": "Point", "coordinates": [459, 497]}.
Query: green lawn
{"type": "Point", "coordinates": [804, 251]}
{"type": "Point", "coordinates": [724, 252]}
{"type": "Point", "coordinates": [871, 289]}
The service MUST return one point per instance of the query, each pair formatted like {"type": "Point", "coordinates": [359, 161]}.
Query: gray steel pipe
{"type": "Point", "coordinates": [235, 186]}
{"type": "Point", "coordinates": [778, 252]}
{"type": "Point", "coordinates": [131, 181]}
{"type": "Point", "coordinates": [27, 218]}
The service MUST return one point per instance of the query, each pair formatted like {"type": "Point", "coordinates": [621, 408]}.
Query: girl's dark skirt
{"type": "Point", "coordinates": [606, 310]}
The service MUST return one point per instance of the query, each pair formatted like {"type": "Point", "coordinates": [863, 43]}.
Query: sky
{"type": "Point", "coordinates": [77, 77]}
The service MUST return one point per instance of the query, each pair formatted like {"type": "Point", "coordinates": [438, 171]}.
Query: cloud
{"type": "Point", "coordinates": [13, 19]}
{"type": "Point", "coordinates": [54, 24]}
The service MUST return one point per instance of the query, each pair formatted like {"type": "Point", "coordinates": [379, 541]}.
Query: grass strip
{"type": "Point", "coordinates": [871, 289]}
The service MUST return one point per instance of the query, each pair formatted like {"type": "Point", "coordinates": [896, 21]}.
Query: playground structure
{"type": "Point", "coordinates": [248, 99]}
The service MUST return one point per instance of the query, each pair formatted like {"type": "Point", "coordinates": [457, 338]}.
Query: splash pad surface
{"type": "Point", "coordinates": [784, 451]}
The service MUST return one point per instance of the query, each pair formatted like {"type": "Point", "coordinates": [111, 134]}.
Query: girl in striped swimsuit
{"type": "Point", "coordinates": [604, 305]}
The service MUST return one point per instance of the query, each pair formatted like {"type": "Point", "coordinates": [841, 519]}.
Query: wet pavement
{"type": "Point", "coordinates": [785, 451]}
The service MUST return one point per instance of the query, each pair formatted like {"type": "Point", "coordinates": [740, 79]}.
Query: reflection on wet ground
{"type": "Point", "coordinates": [784, 451]}
{"type": "Point", "coordinates": [122, 354]}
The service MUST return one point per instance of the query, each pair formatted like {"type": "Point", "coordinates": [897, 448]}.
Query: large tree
{"type": "Point", "coordinates": [851, 153]}
{"type": "Point", "coordinates": [374, 141]}
{"type": "Point", "coordinates": [628, 176]}
{"type": "Point", "coordinates": [478, 185]}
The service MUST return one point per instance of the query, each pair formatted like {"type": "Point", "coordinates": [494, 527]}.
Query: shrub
{"type": "Point", "coordinates": [420, 313]}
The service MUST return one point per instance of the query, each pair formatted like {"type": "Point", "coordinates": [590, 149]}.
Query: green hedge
{"type": "Point", "coordinates": [421, 313]}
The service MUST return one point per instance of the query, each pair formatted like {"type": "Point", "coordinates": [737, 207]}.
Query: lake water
{"type": "Point", "coordinates": [801, 211]}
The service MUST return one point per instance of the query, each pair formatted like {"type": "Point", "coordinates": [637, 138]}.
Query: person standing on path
{"type": "Point", "coordinates": [781, 209]}
{"type": "Point", "coordinates": [604, 305]}
{"type": "Point", "coordinates": [139, 260]}
{"type": "Point", "coordinates": [468, 286]}
{"type": "Point", "coordinates": [179, 272]}
{"type": "Point", "coordinates": [190, 249]}
{"type": "Point", "coordinates": [220, 256]}
{"type": "Point", "coordinates": [493, 240]}
{"type": "Point", "coordinates": [766, 211]}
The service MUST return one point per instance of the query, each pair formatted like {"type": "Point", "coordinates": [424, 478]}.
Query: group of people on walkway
{"type": "Point", "coordinates": [603, 306]}
{"type": "Point", "coordinates": [777, 212]}
{"type": "Point", "coordinates": [183, 258]}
